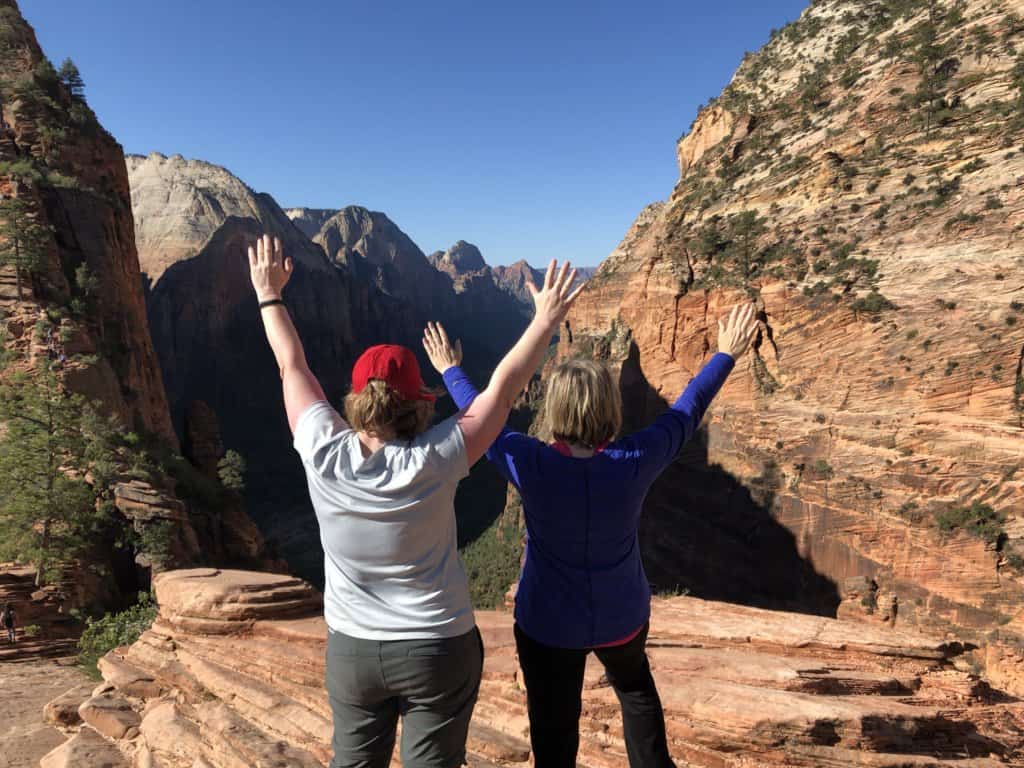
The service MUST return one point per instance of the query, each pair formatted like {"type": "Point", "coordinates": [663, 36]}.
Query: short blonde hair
{"type": "Point", "coordinates": [379, 410]}
{"type": "Point", "coordinates": [583, 405]}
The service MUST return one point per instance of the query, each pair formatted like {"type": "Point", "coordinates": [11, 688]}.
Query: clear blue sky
{"type": "Point", "coordinates": [533, 129]}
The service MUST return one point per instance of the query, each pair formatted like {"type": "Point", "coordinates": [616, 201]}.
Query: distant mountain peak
{"type": "Point", "coordinates": [462, 258]}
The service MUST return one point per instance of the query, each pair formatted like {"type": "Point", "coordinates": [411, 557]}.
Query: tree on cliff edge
{"type": "Point", "coordinates": [50, 442]}
{"type": "Point", "coordinates": [72, 79]}
{"type": "Point", "coordinates": [23, 240]}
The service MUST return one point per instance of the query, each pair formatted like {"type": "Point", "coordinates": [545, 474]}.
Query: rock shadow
{"type": "Point", "coordinates": [705, 532]}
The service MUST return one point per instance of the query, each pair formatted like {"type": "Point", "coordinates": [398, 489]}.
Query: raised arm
{"type": "Point", "coordinates": [270, 272]}
{"type": "Point", "coordinates": [661, 442]}
{"type": "Point", "coordinates": [483, 419]}
{"type": "Point", "coordinates": [446, 357]}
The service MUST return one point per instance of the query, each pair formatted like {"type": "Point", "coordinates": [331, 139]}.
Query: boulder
{"type": "Point", "coordinates": [110, 715]}
{"type": "Point", "coordinates": [63, 710]}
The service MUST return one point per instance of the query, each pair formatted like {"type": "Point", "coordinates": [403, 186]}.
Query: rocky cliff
{"type": "Point", "coordinates": [860, 180]}
{"type": "Point", "coordinates": [231, 676]}
{"type": "Point", "coordinates": [54, 153]}
{"type": "Point", "coordinates": [80, 312]}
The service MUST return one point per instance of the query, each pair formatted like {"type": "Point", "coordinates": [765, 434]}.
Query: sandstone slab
{"type": "Point", "coordinates": [86, 749]}
{"type": "Point", "coordinates": [741, 687]}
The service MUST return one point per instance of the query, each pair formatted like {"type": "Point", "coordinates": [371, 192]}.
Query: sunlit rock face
{"type": "Point", "coordinates": [78, 189]}
{"type": "Point", "coordinates": [860, 181]}
{"type": "Point", "coordinates": [231, 674]}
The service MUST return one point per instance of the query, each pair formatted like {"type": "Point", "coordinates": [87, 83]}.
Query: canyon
{"type": "Point", "coordinates": [845, 536]}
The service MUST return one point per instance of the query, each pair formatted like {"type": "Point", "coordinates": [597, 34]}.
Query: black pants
{"type": "Point", "coordinates": [554, 687]}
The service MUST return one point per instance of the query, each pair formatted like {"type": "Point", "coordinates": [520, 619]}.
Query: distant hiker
{"type": "Point", "coordinates": [10, 623]}
{"type": "Point", "coordinates": [582, 586]}
{"type": "Point", "coordinates": [402, 637]}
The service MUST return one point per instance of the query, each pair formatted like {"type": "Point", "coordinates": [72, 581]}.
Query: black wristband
{"type": "Point", "coordinates": [271, 303]}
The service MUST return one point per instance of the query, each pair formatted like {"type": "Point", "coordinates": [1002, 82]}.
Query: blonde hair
{"type": "Point", "coordinates": [379, 410]}
{"type": "Point", "coordinates": [583, 405]}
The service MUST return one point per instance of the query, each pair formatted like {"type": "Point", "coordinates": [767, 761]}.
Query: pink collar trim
{"type": "Point", "coordinates": [564, 449]}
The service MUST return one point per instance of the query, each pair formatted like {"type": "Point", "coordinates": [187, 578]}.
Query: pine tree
{"type": "Point", "coordinates": [72, 79]}
{"type": "Point", "coordinates": [50, 442]}
{"type": "Point", "coordinates": [23, 240]}
{"type": "Point", "coordinates": [231, 471]}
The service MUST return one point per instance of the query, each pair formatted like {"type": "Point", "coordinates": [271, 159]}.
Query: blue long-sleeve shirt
{"type": "Point", "coordinates": [583, 583]}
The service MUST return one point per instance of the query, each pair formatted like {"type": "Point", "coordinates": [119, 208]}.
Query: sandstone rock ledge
{"type": "Point", "coordinates": [230, 676]}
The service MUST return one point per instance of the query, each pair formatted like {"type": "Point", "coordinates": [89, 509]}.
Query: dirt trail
{"type": "Point", "coordinates": [25, 687]}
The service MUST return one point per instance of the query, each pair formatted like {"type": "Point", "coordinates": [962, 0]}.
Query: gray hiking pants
{"type": "Point", "coordinates": [431, 684]}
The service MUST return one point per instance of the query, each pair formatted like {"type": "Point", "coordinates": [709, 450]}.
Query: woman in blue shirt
{"type": "Point", "coordinates": [583, 586]}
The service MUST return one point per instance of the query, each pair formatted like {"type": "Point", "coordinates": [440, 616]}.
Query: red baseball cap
{"type": "Point", "coordinates": [394, 365]}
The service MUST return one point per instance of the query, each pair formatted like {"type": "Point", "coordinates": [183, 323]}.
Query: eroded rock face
{"type": "Point", "coordinates": [369, 245]}
{"type": "Point", "coordinates": [878, 240]}
{"type": "Point", "coordinates": [87, 205]}
{"type": "Point", "coordinates": [233, 675]}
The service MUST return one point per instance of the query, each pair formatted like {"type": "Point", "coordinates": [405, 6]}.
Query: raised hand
{"type": "Point", "coordinates": [736, 330]}
{"type": "Point", "coordinates": [554, 300]}
{"type": "Point", "coordinates": [269, 270]}
{"type": "Point", "coordinates": [442, 353]}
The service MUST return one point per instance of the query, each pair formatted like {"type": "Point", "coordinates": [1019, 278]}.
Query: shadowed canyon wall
{"type": "Point", "coordinates": [860, 181]}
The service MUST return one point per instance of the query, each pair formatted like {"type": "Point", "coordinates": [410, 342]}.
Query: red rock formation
{"type": "Point", "coordinates": [881, 393]}
{"type": "Point", "coordinates": [81, 188]}
{"type": "Point", "coordinates": [231, 674]}
{"type": "Point", "coordinates": [54, 153]}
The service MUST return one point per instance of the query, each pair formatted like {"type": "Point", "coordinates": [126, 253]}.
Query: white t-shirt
{"type": "Point", "coordinates": [387, 525]}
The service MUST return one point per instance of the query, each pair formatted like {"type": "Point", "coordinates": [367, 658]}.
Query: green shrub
{"type": "Point", "coordinates": [967, 219]}
{"type": "Point", "coordinates": [979, 520]}
{"type": "Point", "coordinates": [113, 630]}
{"type": "Point", "coordinates": [909, 511]}
{"type": "Point", "coordinates": [872, 304]}
{"type": "Point", "coordinates": [492, 564]}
